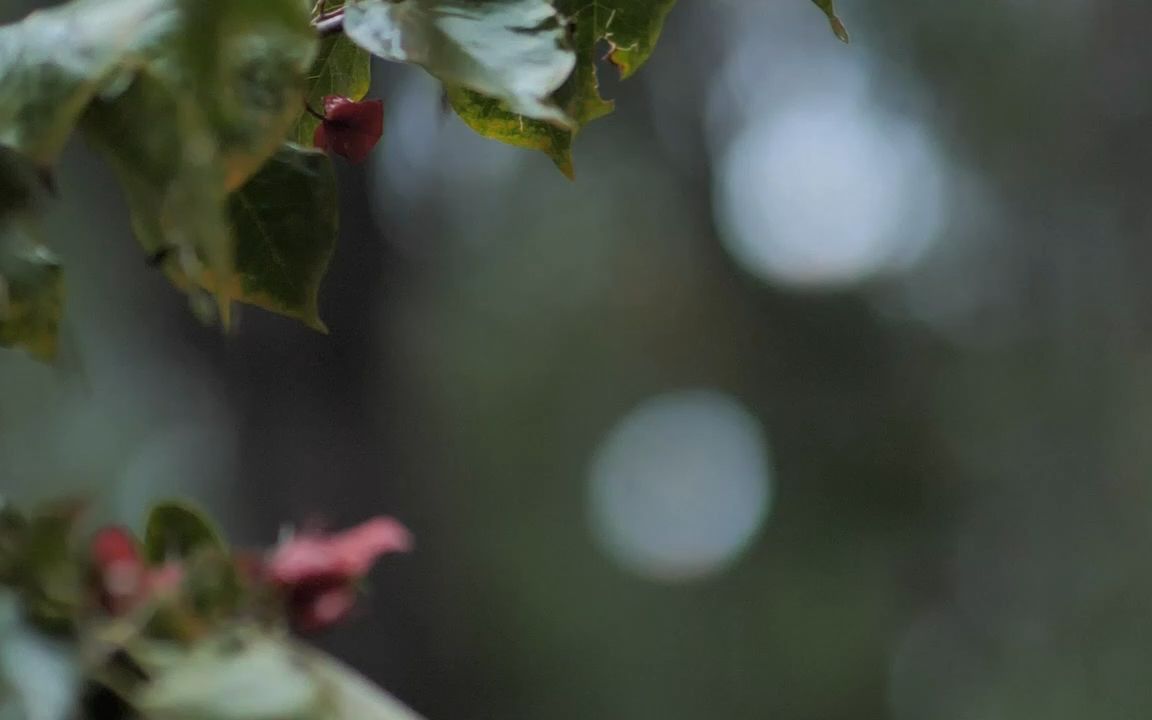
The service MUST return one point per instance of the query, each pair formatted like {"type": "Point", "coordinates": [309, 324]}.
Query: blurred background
{"type": "Point", "coordinates": [823, 393]}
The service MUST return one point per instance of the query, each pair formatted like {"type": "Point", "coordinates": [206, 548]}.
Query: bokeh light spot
{"type": "Point", "coordinates": [829, 192]}
{"type": "Point", "coordinates": [681, 485]}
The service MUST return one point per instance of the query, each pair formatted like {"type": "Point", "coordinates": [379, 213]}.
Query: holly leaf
{"type": "Point", "coordinates": [341, 68]}
{"type": "Point", "coordinates": [285, 220]}
{"type": "Point", "coordinates": [513, 50]}
{"type": "Point", "coordinates": [31, 280]}
{"type": "Point", "coordinates": [177, 530]}
{"type": "Point", "coordinates": [629, 27]}
{"type": "Point", "coordinates": [829, 9]}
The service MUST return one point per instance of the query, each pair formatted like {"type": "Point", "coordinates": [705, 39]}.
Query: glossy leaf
{"type": "Point", "coordinates": [513, 50]}
{"type": "Point", "coordinates": [631, 29]}
{"type": "Point", "coordinates": [285, 220]}
{"type": "Point", "coordinates": [341, 68]}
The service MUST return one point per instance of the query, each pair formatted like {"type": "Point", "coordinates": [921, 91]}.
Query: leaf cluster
{"type": "Point", "coordinates": [215, 646]}
{"type": "Point", "coordinates": [206, 111]}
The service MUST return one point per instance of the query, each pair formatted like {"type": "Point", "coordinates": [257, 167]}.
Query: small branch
{"type": "Point", "coordinates": [312, 111]}
{"type": "Point", "coordinates": [330, 25]}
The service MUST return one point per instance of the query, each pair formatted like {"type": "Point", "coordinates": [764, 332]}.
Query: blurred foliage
{"type": "Point", "coordinates": [185, 638]}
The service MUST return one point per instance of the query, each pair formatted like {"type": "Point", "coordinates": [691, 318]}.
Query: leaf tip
{"type": "Point", "coordinates": [565, 165]}
{"type": "Point", "coordinates": [313, 321]}
{"type": "Point", "coordinates": [840, 30]}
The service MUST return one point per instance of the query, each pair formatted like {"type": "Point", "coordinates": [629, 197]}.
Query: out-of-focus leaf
{"type": "Point", "coordinates": [341, 68]}
{"type": "Point", "coordinates": [239, 675]}
{"type": "Point", "coordinates": [49, 572]}
{"type": "Point", "coordinates": [829, 9]}
{"type": "Point", "coordinates": [178, 530]}
{"type": "Point", "coordinates": [13, 527]}
{"type": "Point", "coordinates": [219, 86]}
{"type": "Point", "coordinates": [31, 292]}
{"type": "Point", "coordinates": [39, 677]}
{"type": "Point", "coordinates": [347, 695]}
{"type": "Point", "coordinates": [631, 29]}
{"type": "Point", "coordinates": [54, 62]}
{"type": "Point", "coordinates": [513, 50]}
{"type": "Point", "coordinates": [31, 282]}
{"type": "Point", "coordinates": [285, 220]}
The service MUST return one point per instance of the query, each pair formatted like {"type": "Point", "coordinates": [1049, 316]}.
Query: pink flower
{"type": "Point", "coordinates": [318, 573]}
{"type": "Point", "coordinates": [118, 568]}
{"type": "Point", "coordinates": [123, 579]}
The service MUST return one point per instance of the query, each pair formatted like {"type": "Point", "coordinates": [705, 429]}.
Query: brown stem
{"type": "Point", "coordinates": [330, 25]}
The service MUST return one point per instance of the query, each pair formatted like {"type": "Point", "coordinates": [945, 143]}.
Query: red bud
{"type": "Point", "coordinates": [349, 128]}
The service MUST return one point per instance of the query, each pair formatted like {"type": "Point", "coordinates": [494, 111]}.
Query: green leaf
{"type": "Point", "coordinates": [513, 50]}
{"type": "Point", "coordinates": [219, 86]}
{"type": "Point", "coordinates": [347, 694]}
{"type": "Point", "coordinates": [829, 8]}
{"type": "Point", "coordinates": [239, 675]}
{"type": "Point", "coordinates": [31, 294]}
{"type": "Point", "coordinates": [631, 29]}
{"type": "Point", "coordinates": [247, 674]}
{"type": "Point", "coordinates": [177, 530]}
{"type": "Point", "coordinates": [341, 68]}
{"type": "Point", "coordinates": [172, 174]}
{"type": "Point", "coordinates": [285, 221]}
{"type": "Point", "coordinates": [54, 62]}
{"type": "Point", "coordinates": [13, 527]}
{"type": "Point", "coordinates": [491, 119]}
{"type": "Point", "coordinates": [31, 281]}
{"type": "Point", "coordinates": [50, 575]}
